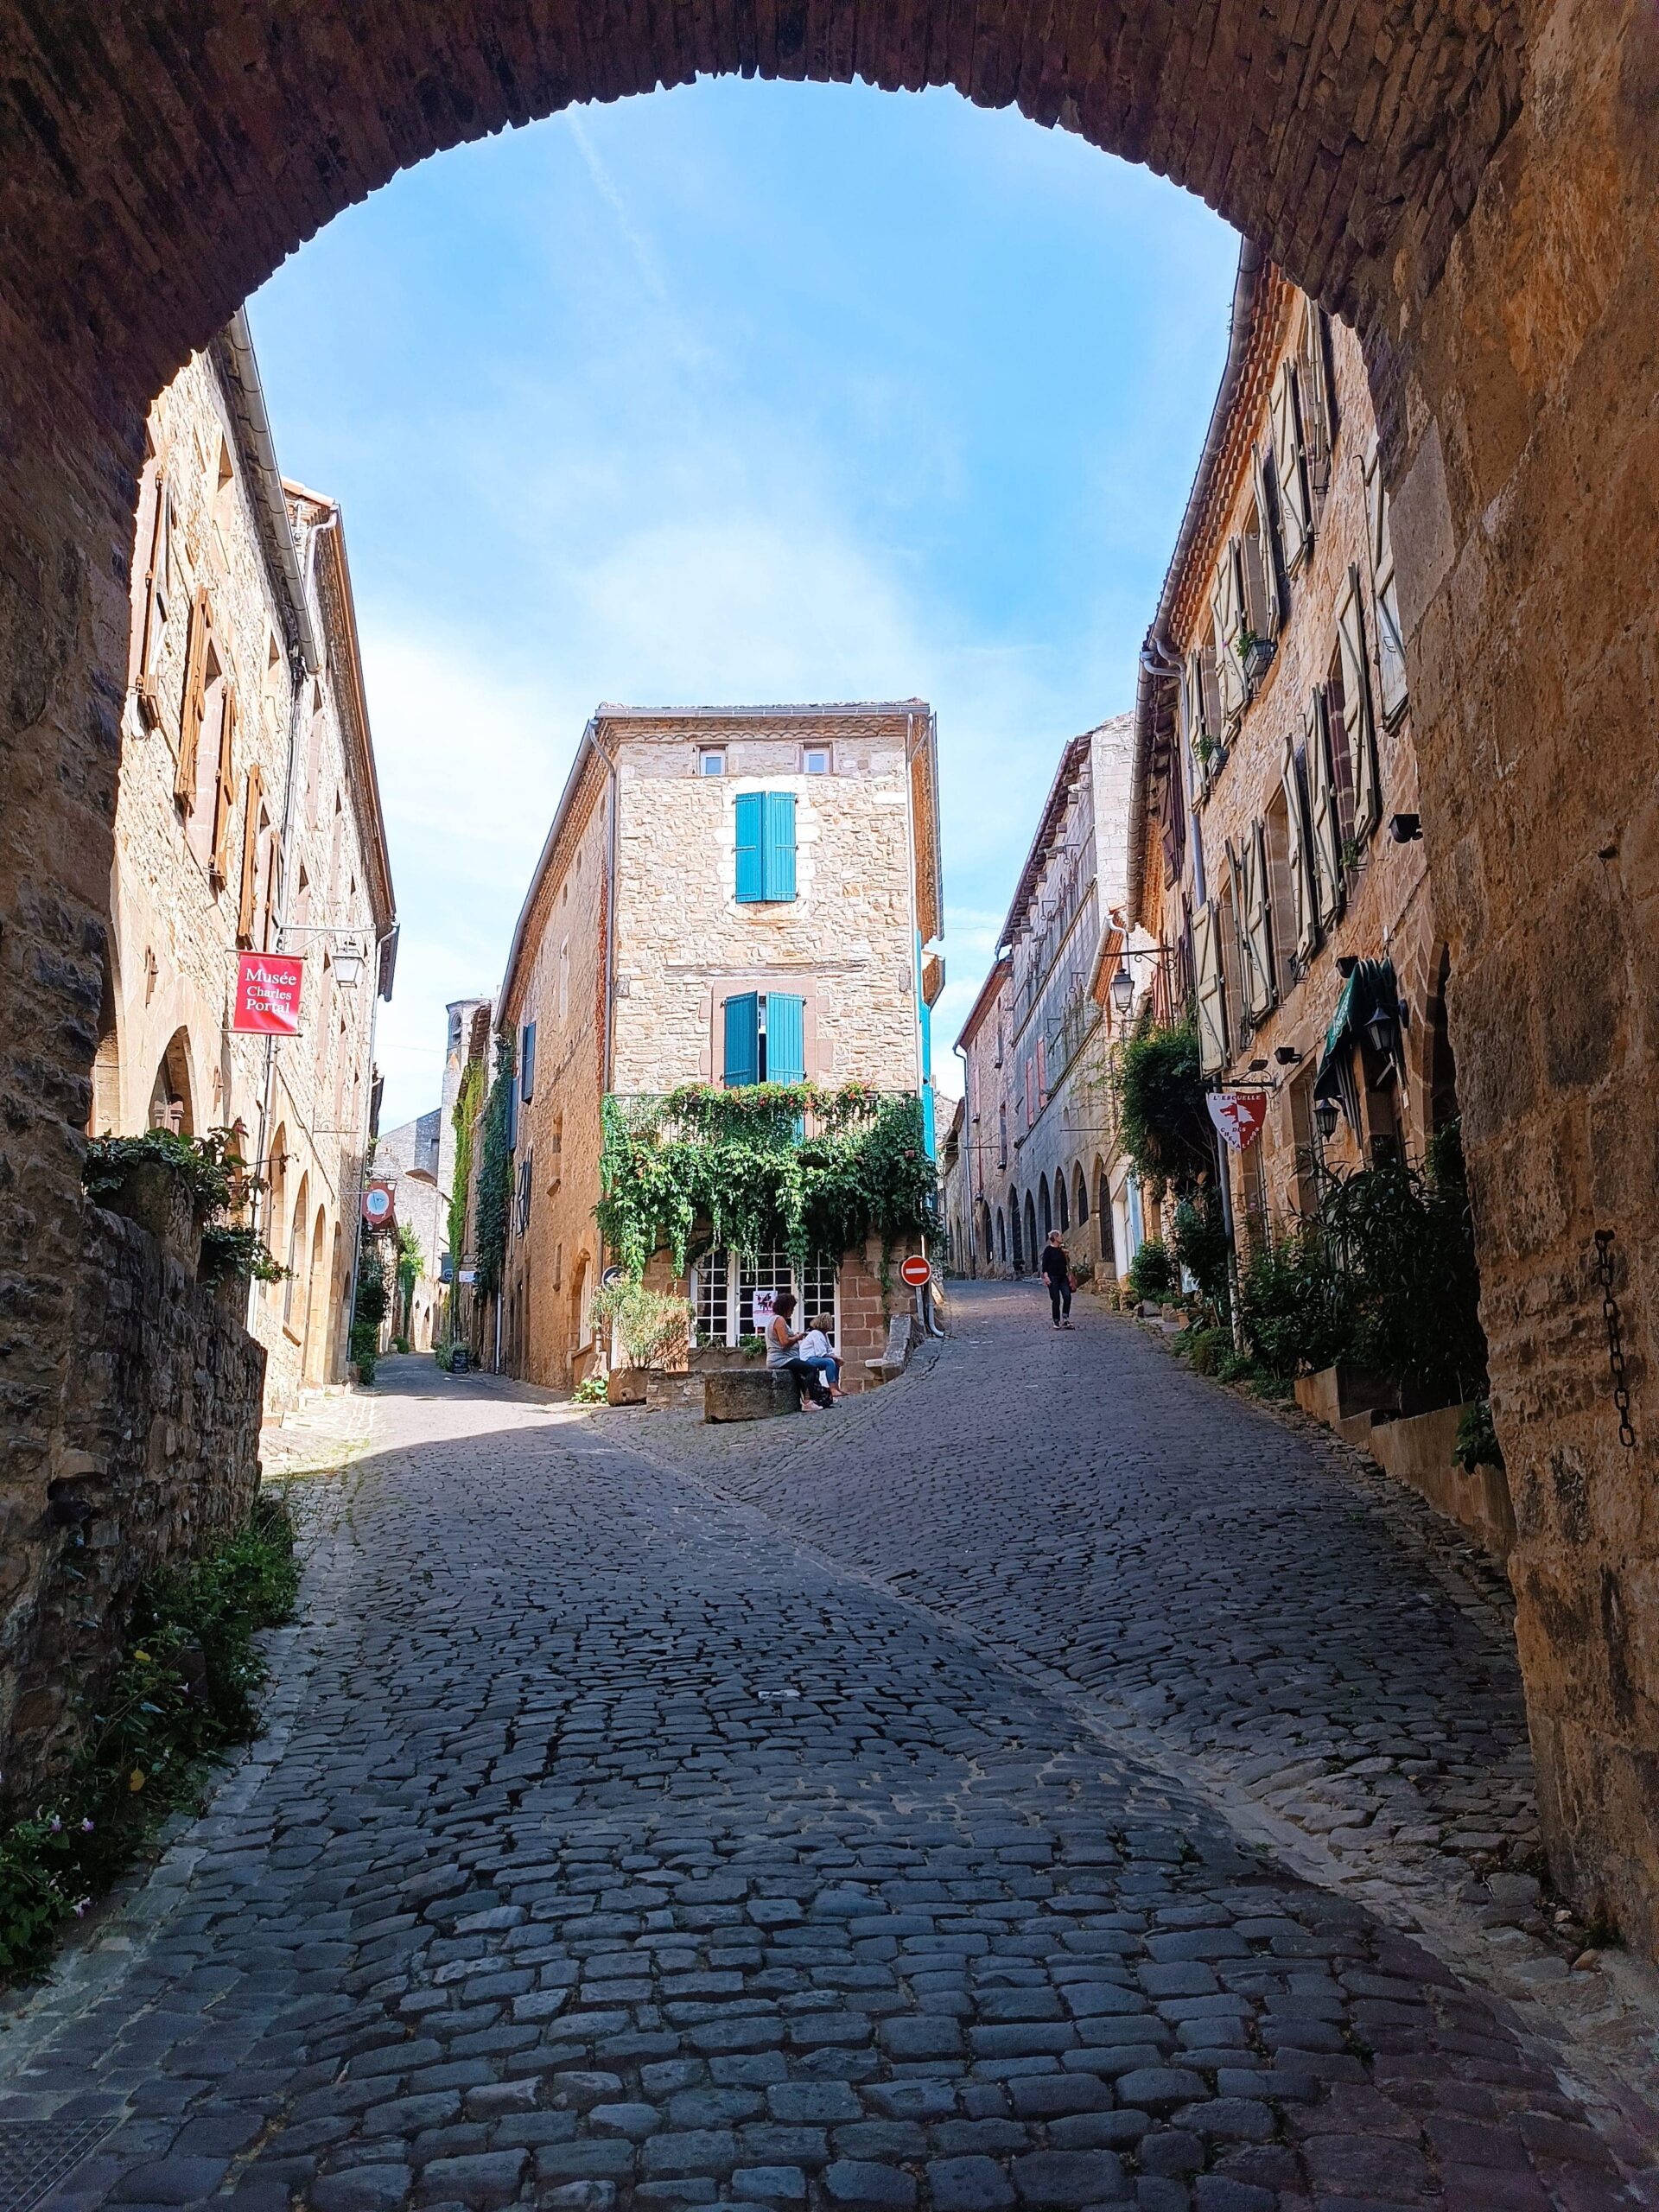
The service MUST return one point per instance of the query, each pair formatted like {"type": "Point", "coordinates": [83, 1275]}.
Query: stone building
{"type": "Point", "coordinates": [406, 1159]}
{"type": "Point", "coordinates": [727, 895]}
{"type": "Point", "coordinates": [1274, 852]}
{"type": "Point", "coordinates": [1037, 1131]}
{"type": "Point", "coordinates": [248, 819]}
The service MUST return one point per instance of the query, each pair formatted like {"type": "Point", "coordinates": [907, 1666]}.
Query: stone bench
{"type": "Point", "coordinates": [903, 1332]}
{"type": "Point", "coordinates": [749, 1393]}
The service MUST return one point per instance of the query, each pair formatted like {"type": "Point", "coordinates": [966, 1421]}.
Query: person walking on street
{"type": "Point", "coordinates": [1057, 1274]}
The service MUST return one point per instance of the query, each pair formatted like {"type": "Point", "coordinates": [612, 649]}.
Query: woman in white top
{"type": "Point", "coordinates": [817, 1350]}
{"type": "Point", "coordinates": [783, 1352]}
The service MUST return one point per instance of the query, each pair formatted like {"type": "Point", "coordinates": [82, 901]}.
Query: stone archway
{"type": "Point", "coordinates": [1471, 184]}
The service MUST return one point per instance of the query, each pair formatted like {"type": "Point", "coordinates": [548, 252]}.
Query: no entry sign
{"type": "Point", "coordinates": [267, 986]}
{"type": "Point", "coordinates": [916, 1271]}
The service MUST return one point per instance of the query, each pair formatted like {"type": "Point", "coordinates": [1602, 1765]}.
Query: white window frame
{"type": "Point", "coordinates": [711, 760]}
{"type": "Point", "coordinates": [809, 751]}
{"type": "Point", "coordinates": [725, 1282]}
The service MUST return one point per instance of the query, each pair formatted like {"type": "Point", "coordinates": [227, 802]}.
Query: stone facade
{"type": "Point", "coordinates": [248, 815]}
{"type": "Point", "coordinates": [1472, 187]}
{"type": "Point", "coordinates": [159, 1455]}
{"type": "Point", "coordinates": [408, 1158]}
{"type": "Point", "coordinates": [633, 938]}
{"type": "Point", "coordinates": [1038, 1128]}
{"type": "Point", "coordinates": [1264, 863]}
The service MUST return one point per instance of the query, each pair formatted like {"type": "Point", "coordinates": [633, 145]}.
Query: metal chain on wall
{"type": "Point", "coordinates": [1615, 1340]}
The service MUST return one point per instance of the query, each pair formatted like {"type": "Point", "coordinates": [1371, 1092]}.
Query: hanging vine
{"type": "Point", "coordinates": [764, 1167]}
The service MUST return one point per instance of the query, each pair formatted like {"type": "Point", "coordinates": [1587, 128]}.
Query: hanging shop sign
{"type": "Point", "coordinates": [378, 1205]}
{"type": "Point", "coordinates": [267, 986]}
{"type": "Point", "coordinates": [1239, 1116]}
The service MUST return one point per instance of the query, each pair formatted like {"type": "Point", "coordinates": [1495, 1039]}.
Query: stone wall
{"type": "Point", "coordinates": [1473, 185]}
{"type": "Point", "coordinates": [1388, 907]}
{"type": "Point", "coordinates": [1517, 405]}
{"type": "Point", "coordinates": [846, 941]}
{"type": "Point", "coordinates": [158, 1455]}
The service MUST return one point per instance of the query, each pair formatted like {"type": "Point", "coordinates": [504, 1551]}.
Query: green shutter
{"type": "Point", "coordinates": [780, 845]}
{"type": "Point", "coordinates": [527, 1062]}
{"type": "Point", "coordinates": [742, 1040]}
{"type": "Point", "coordinates": [786, 1038]}
{"type": "Point", "coordinates": [751, 861]}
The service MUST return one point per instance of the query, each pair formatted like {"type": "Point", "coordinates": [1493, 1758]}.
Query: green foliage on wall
{"type": "Point", "coordinates": [1162, 1118]}
{"type": "Point", "coordinates": [185, 1689]}
{"type": "Point", "coordinates": [764, 1167]}
{"type": "Point", "coordinates": [465, 1118]}
{"type": "Point", "coordinates": [494, 1175]}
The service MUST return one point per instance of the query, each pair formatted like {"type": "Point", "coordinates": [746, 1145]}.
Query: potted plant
{"type": "Point", "coordinates": [1256, 654]}
{"type": "Point", "coordinates": [651, 1328]}
{"type": "Point", "coordinates": [170, 1185]}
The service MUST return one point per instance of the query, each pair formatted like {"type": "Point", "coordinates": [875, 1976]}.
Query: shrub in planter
{"type": "Point", "coordinates": [652, 1329]}
{"type": "Point", "coordinates": [237, 1257]}
{"type": "Point", "coordinates": [1294, 1305]}
{"type": "Point", "coordinates": [1151, 1272]}
{"type": "Point", "coordinates": [1162, 1115]}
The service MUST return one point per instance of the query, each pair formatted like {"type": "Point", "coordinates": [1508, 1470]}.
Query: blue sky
{"type": "Point", "coordinates": [740, 393]}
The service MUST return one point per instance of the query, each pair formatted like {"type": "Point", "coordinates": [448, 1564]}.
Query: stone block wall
{"type": "Point", "coordinates": [157, 1454]}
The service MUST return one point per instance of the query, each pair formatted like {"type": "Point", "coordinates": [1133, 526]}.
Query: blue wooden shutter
{"type": "Point", "coordinates": [751, 857]}
{"type": "Point", "coordinates": [780, 844]}
{"type": "Point", "coordinates": [742, 1040]}
{"type": "Point", "coordinates": [786, 1038]}
{"type": "Point", "coordinates": [512, 1116]}
{"type": "Point", "coordinates": [527, 1063]}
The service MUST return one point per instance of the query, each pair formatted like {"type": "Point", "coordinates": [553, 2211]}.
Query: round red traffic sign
{"type": "Point", "coordinates": [917, 1270]}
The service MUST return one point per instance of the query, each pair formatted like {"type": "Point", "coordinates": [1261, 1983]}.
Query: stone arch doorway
{"type": "Point", "coordinates": [172, 1104]}
{"type": "Point", "coordinates": [106, 1060]}
{"type": "Point", "coordinates": [1034, 1244]}
{"type": "Point", "coordinates": [1472, 185]}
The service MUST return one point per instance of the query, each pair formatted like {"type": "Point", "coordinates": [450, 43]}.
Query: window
{"type": "Point", "coordinates": [1002, 1136]}
{"type": "Point", "coordinates": [1324, 810]}
{"type": "Point", "coordinates": [1390, 637]}
{"type": "Point", "coordinates": [765, 847]}
{"type": "Point", "coordinates": [1262, 598]}
{"type": "Point", "coordinates": [527, 1062]}
{"type": "Point", "coordinates": [711, 759]}
{"type": "Point", "coordinates": [764, 1039]}
{"type": "Point", "coordinates": [254, 821]}
{"type": "Point", "coordinates": [1227, 622]}
{"type": "Point", "coordinates": [1290, 470]}
{"type": "Point", "coordinates": [723, 1288]}
{"type": "Point", "coordinates": [526, 1190]}
{"type": "Point", "coordinates": [198, 668]}
{"type": "Point", "coordinates": [1211, 990]}
{"type": "Point", "coordinates": [1353, 705]}
{"type": "Point", "coordinates": [814, 760]}
{"type": "Point", "coordinates": [157, 589]}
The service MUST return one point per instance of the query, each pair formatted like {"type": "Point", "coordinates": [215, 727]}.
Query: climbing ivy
{"type": "Point", "coordinates": [1162, 1118]}
{"type": "Point", "coordinates": [765, 1167]}
{"type": "Point", "coordinates": [494, 1175]}
{"type": "Point", "coordinates": [466, 1121]}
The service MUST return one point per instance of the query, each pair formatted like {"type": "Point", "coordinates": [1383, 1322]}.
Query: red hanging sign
{"type": "Point", "coordinates": [267, 986]}
{"type": "Point", "coordinates": [1239, 1116]}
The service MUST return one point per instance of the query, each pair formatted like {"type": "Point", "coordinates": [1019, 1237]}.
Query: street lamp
{"type": "Point", "coordinates": [1325, 1113]}
{"type": "Point", "coordinates": [348, 962]}
{"type": "Point", "coordinates": [1122, 990]}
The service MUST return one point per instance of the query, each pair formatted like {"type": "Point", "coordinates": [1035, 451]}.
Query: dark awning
{"type": "Point", "coordinates": [1372, 988]}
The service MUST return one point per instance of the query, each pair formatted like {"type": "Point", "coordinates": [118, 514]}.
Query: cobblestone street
{"type": "Point", "coordinates": [617, 1842]}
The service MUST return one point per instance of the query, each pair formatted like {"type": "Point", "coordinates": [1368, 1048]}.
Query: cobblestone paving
{"type": "Point", "coordinates": [615, 1849]}
{"type": "Point", "coordinates": [1084, 1499]}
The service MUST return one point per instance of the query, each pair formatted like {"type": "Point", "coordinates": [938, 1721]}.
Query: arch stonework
{"type": "Point", "coordinates": [1473, 184]}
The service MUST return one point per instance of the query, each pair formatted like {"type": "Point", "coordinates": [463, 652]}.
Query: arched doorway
{"type": "Point", "coordinates": [315, 1334]}
{"type": "Point", "coordinates": [1034, 1244]}
{"type": "Point", "coordinates": [1001, 1239]}
{"type": "Point", "coordinates": [1046, 1218]}
{"type": "Point", "coordinates": [296, 1288]}
{"type": "Point", "coordinates": [106, 1061]}
{"type": "Point", "coordinates": [1015, 1234]}
{"type": "Point", "coordinates": [171, 1104]}
{"type": "Point", "coordinates": [1061, 1205]}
